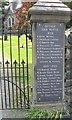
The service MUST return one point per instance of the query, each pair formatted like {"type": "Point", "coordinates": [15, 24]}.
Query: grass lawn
{"type": "Point", "coordinates": [15, 51]}
{"type": "Point", "coordinates": [44, 114]}
{"type": "Point", "coordinates": [14, 47]}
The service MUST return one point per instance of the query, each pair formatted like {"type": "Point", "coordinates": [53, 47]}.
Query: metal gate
{"type": "Point", "coordinates": [14, 73]}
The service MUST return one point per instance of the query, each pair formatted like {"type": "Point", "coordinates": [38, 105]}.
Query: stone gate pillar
{"type": "Point", "coordinates": [48, 32]}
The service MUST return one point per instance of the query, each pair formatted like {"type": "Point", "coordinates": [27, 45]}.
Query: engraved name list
{"type": "Point", "coordinates": [50, 61]}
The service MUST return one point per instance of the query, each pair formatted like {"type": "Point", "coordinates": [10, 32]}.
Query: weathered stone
{"type": "Point", "coordinates": [69, 62]}
{"type": "Point", "coordinates": [69, 75]}
{"type": "Point", "coordinates": [70, 38]}
{"type": "Point", "coordinates": [67, 53]}
{"type": "Point", "coordinates": [49, 11]}
{"type": "Point", "coordinates": [48, 19]}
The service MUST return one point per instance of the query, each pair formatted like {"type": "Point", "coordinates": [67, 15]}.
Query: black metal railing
{"type": "Point", "coordinates": [11, 91]}
{"type": "Point", "coordinates": [14, 74]}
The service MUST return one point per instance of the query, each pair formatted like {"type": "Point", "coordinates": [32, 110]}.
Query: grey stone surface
{"type": "Point", "coordinates": [67, 53]}
{"type": "Point", "coordinates": [70, 38]}
{"type": "Point", "coordinates": [45, 12]}
{"type": "Point", "coordinates": [49, 11]}
{"type": "Point", "coordinates": [14, 113]}
{"type": "Point", "coordinates": [50, 61]}
{"type": "Point", "coordinates": [69, 61]}
{"type": "Point", "coordinates": [34, 61]}
{"type": "Point", "coordinates": [66, 117]}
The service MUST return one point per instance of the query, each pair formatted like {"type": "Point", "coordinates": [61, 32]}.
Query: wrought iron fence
{"type": "Point", "coordinates": [14, 91]}
{"type": "Point", "coordinates": [14, 74]}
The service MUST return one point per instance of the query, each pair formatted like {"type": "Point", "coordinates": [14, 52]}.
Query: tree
{"type": "Point", "coordinates": [21, 15]}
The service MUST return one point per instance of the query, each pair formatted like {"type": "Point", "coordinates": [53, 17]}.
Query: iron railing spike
{"type": "Point", "coordinates": [15, 62]}
{"type": "Point", "coordinates": [7, 62]}
{"type": "Point", "coordinates": [22, 62]}
{"type": "Point", "coordinates": [15, 91]}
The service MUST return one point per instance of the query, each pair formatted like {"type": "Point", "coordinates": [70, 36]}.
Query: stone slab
{"type": "Point", "coordinates": [50, 61]}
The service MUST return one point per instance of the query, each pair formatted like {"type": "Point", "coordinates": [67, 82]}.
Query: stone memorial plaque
{"type": "Point", "coordinates": [50, 61]}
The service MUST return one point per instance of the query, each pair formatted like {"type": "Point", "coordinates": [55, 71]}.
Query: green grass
{"type": "Point", "coordinates": [15, 53]}
{"type": "Point", "coordinates": [14, 48]}
{"type": "Point", "coordinates": [44, 114]}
